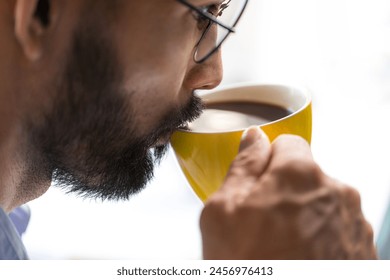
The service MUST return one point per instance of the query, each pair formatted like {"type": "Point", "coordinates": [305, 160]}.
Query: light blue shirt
{"type": "Point", "coordinates": [11, 246]}
{"type": "Point", "coordinates": [383, 242]}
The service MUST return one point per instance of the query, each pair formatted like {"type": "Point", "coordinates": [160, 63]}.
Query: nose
{"type": "Point", "coordinates": [205, 75]}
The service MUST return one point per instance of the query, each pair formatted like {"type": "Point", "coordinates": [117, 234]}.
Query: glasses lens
{"type": "Point", "coordinates": [227, 13]}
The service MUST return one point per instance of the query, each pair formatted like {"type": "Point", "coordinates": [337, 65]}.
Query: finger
{"type": "Point", "coordinates": [292, 164]}
{"type": "Point", "coordinates": [251, 161]}
{"type": "Point", "coordinates": [289, 150]}
{"type": "Point", "coordinates": [351, 198]}
{"type": "Point", "coordinates": [361, 232]}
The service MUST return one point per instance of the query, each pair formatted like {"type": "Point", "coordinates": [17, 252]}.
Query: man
{"type": "Point", "coordinates": [90, 92]}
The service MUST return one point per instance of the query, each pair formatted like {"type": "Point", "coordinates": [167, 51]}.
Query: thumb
{"type": "Point", "coordinates": [250, 136]}
{"type": "Point", "coordinates": [252, 159]}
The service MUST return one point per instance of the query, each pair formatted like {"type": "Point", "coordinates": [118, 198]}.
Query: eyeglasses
{"type": "Point", "coordinates": [215, 23]}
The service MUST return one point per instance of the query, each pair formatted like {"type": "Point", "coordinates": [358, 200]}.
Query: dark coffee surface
{"type": "Point", "coordinates": [236, 115]}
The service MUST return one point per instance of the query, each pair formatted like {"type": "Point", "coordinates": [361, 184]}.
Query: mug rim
{"type": "Point", "coordinates": [302, 89]}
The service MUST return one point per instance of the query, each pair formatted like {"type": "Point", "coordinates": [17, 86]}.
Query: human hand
{"type": "Point", "coordinates": [276, 203]}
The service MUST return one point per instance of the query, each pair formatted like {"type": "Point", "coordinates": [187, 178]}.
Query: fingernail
{"type": "Point", "coordinates": [250, 135]}
{"type": "Point", "coordinates": [251, 132]}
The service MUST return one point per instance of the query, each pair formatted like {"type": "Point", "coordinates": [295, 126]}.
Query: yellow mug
{"type": "Point", "coordinates": [205, 157]}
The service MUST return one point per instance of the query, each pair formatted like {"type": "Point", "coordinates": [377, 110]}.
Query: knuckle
{"type": "Point", "coordinates": [237, 169]}
{"type": "Point", "coordinates": [244, 159]}
{"type": "Point", "coordinates": [213, 208]}
{"type": "Point", "coordinates": [243, 163]}
{"type": "Point", "coordinates": [297, 166]}
{"type": "Point", "coordinates": [215, 202]}
{"type": "Point", "coordinates": [247, 208]}
{"type": "Point", "coordinates": [287, 139]}
{"type": "Point", "coordinates": [352, 197]}
{"type": "Point", "coordinates": [223, 211]}
{"type": "Point", "coordinates": [299, 171]}
{"type": "Point", "coordinates": [206, 218]}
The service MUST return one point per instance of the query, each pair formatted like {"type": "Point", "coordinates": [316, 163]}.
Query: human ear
{"type": "Point", "coordinates": [32, 19]}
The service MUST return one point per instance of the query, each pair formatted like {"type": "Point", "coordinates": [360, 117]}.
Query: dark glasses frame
{"type": "Point", "coordinates": [213, 20]}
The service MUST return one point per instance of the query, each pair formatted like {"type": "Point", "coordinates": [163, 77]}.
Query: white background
{"type": "Point", "coordinates": [340, 49]}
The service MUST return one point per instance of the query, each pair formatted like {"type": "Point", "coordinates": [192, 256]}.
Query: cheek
{"type": "Point", "coordinates": [155, 53]}
{"type": "Point", "coordinates": [152, 96]}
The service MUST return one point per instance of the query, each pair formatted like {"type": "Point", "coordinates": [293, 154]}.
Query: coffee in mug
{"type": "Point", "coordinates": [224, 116]}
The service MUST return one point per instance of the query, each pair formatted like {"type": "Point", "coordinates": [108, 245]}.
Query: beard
{"type": "Point", "coordinates": [89, 138]}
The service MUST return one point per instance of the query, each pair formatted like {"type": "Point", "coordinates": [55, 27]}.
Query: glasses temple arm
{"type": "Point", "coordinates": [214, 20]}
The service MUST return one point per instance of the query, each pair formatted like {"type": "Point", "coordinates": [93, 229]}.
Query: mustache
{"type": "Point", "coordinates": [179, 117]}
{"type": "Point", "coordinates": [191, 111]}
